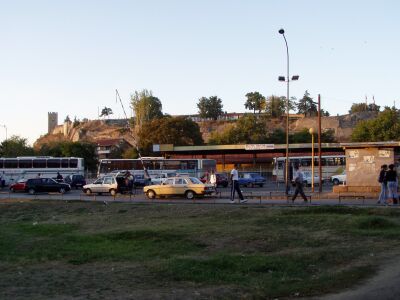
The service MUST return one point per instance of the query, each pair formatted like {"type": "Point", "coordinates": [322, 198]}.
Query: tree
{"type": "Point", "coordinates": [15, 146]}
{"type": "Point", "coordinates": [210, 107]}
{"type": "Point", "coordinates": [385, 127]}
{"type": "Point", "coordinates": [179, 131]}
{"type": "Point", "coordinates": [275, 106]}
{"type": "Point", "coordinates": [248, 129]}
{"type": "Point", "coordinates": [105, 112]}
{"type": "Point", "coordinates": [146, 107]}
{"type": "Point", "coordinates": [361, 107]}
{"type": "Point", "coordinates": [255, 101]}
{"type": "Point", "coordinates": [307, 106]}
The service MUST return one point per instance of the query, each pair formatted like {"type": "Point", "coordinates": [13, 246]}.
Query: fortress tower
{"type": "Point", "coordinates": [52, 119]}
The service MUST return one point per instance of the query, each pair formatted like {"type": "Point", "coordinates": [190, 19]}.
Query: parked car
{"type": "Point", "coordinates": [18, 186]}
{"type": "Point", "coordinates": [340, 178]}
{"type": "Point", "coordinates": [38, 185]}
{"type": "Point", "coordinates": [160, 178]}
{"type": "Point", "coordinates": [222, 179]}
{"type": "Point", "coordinates": [140, 180]}
{"type": "Point", "coordinates": [307, 178]}
{"type": "Point", "coordinates": [75, 180]}
{"type": "Point", "coordinates": [189, 187]}
{"type": "Point", "coordinates": [112, 184]}
{"type": "Point", "coordinates": [251, 180]}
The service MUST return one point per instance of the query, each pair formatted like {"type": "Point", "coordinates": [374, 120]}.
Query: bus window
{"type": "Point", "coordinates": [10, 164]}
{"type": "Point", "coordinates": [39, 163]}
{"type": "Point", "coordinates": [64, 163]}
{"type": "Point", "coordinates": [53, 163]}
{"type": "Point", "coordinates": [306, 162]}
{"type": "Point", "coordinates": [1, 164]}
{"type": "Point", "coordinates": [25, 163]}
{"type": "Point", "coordinates": [73, 163]}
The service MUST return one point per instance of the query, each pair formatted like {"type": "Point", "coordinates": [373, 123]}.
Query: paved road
{"type": "Point", "coordinates": [269, 195]}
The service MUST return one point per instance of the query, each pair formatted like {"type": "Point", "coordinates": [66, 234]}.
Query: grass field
{"type": "Point", "coordinates": [96, 251]}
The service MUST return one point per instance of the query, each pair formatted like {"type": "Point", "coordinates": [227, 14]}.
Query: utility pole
{"type": "Point", "coordinates": [319, 145]}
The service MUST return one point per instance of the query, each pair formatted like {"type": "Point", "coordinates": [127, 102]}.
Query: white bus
{"type": "Point", "coordinates": [158, 165]}
{"type": "Point", "coordinates": [12, 169]}
{"type": "Point", "coordinates": [331, 165]}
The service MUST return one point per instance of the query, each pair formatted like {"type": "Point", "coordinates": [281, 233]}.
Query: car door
{"type": "Point", "coordinates": [107, 184]}
{"type": "Point", "coordinates": [97, 186]}
{"type": "Point", "coordinates": [180, 187]}
{"type": "Point", "coordinates": [167, 187]}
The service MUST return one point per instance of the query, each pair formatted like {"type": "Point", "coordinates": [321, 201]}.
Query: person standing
{"type": "Point", "coordinates": [235, 185]}
{"type": "Point", "coordinates": [383, 182]}
{"type": "Point", "coordinates": [59, 177]}
{"type": "Point", "coordinates": [213, 179]}
{"type": "Point", "coordinates": [391, 178]}
{"type": "Point", "coordinates": [298, 180]}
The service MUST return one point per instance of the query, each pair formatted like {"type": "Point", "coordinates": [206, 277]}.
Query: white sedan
{"type": "Point", "coordinates": [307, 179]}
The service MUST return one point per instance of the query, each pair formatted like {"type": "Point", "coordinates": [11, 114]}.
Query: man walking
{"type": "Point", "coordinates": [298, 180]}
{"type": "Point", "coordinates": [235, 185]}
{"type": "Point", "coordinates": [383, 182]}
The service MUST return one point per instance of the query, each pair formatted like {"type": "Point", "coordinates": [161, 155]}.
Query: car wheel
{"type": "Point", "coordinates": [189, 195]}
{"type": "Point", "coordinates": [151, 194]}
{"type": "Point", "coordinates": [87, 191]}
{"type": "Point", "coordinates": [261, 185]}
{"type": "Point", "coordinates": [335, 181]}
{"type": "Point", "coordinates": [12, 190]}
{"type": "Point", "coordinates": [113, 192]}
{"type": "Point", "coordinates": [62, 191]}
{"type": "Point", "coordinates": [31, 191]}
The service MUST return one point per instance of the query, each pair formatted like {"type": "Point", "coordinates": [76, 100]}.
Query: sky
{"type": "Point", "coordinates": [70, 56]}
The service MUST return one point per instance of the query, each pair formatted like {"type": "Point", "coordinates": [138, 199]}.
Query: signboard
{"type": "Point", "coordinates": [384, 153]}
{"type": "Point", "coordinates": [259, 146]}
{"type": "Point", "coordinates": [353, 154]}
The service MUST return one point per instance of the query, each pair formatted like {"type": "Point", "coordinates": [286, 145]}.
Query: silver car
{"type": "Point", "coordinates": [106, 184]}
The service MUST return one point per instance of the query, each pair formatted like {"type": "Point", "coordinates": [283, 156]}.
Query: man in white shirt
{"type": "Point", "coordinates": [235, 185]}
{"type": "Point", "coordinates": [298, 180]}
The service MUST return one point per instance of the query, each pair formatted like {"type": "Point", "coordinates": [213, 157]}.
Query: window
{"type": "Point", "coordinates": [180, 181]}
{"type": "Point", "coordinates": [39, 163]}
{"type": "Point", "coordinates": [73, 163]}
{"type": "Point", "coordinates": [108, 180]}
{"type": "Point", "coordinates": [25, 163]}
{"type": "Point", "coordinates": [11, 164]}
{"type": "Point", "coordinates": [64, 163]}
{"type": "Point", "coordinates": [53, 163]}
{"type": "Point", "coordinates": [169, 181]}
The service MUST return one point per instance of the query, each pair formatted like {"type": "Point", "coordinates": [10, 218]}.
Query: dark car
{"type": "Point", "coordinates": [222, 179]}
{"type": "Point", "coordinates": [141, 181]}
{"type": "Point", "coordinates": [39, 185]}
{"type": "Point", "coordinates": [75, 180]}
{"type": "Point", "coordinates": [252, 179]}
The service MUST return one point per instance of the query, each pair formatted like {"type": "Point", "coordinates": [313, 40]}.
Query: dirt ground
{"type": "Point", "coordinates": [384, 286]}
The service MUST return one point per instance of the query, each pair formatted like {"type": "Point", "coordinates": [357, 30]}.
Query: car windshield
{"type": "Point", "coordinates": [195, 180]}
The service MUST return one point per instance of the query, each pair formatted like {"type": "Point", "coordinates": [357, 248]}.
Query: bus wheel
{"type": "Point", "coordinates": [151, 194]}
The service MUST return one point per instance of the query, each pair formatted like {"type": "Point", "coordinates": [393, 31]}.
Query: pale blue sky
{"type": "Point", "coordinates": [70, 56]}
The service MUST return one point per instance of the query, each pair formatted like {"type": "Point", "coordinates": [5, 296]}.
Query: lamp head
{"type": "Point", "coordinates": [311, 131]}
{"type": "Point", "coordinates": [295, 77]}
{"type": "Point", "coordinates": [281, 78]}
{"type": "Point", "coordinates": [281, 31]}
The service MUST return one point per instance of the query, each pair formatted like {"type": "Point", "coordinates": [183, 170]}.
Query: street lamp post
{"type": "Point", "coordinates": [282, 78]}
{"type": "Point", "coordinates": [311, 131]}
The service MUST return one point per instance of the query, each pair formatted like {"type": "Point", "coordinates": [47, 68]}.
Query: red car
{"type": "Point", "coordinates": [18, 186]}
